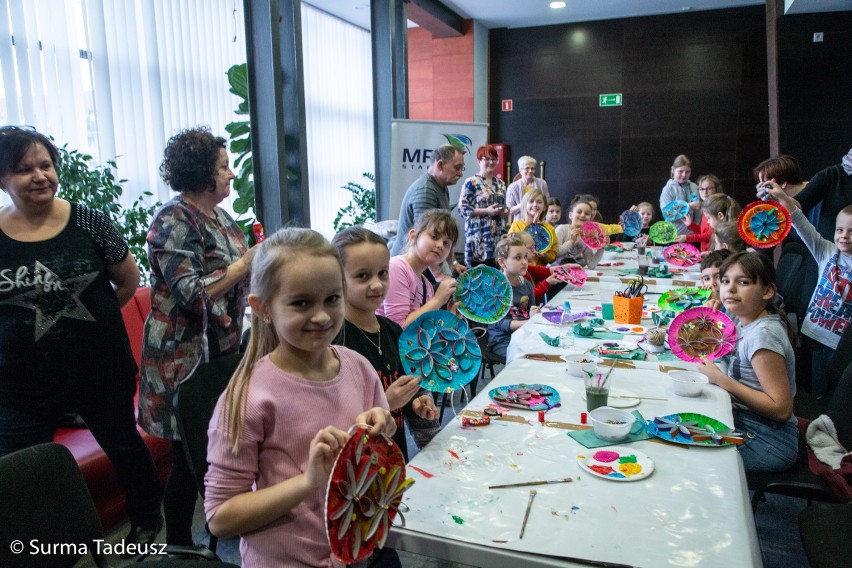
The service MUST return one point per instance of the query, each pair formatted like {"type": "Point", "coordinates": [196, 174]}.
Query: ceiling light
{"type": "Point", "coordinates": [556, 5]}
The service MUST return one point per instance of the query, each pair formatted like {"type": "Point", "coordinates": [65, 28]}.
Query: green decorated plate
{"type": "Point", "coordinates": [680, 299]}
{"type": "Point", "coordinates": [693, 429]}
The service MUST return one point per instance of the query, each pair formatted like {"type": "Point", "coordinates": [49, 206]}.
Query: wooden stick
{"type": "Point", "coordinates": [528, 483]}
{"type": "Point", "coordinates": [533, 493]}
{"type": "Point", "coordinates": [639, 397]}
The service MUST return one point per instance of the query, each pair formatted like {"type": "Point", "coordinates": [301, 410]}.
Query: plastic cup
{"type": "Point", "coordinates": [607, 310]}
{"type": "Point", "coordinates": [644, 261]}
{"type": "Point", "coordinates": [596, 395]}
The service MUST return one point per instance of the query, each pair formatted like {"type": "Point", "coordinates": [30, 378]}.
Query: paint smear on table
{"type": "Point", "coordinates": [455, 455]}
{"type": "Point", "coordinates": [458, 520]}
{"type": "Point", "coordinates": [424, 473]}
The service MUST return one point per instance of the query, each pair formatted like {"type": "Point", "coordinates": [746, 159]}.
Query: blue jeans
{"type": "Point", "coordinates": [113, 424]}
{"type": "Point", "coordinates": [775, 445]}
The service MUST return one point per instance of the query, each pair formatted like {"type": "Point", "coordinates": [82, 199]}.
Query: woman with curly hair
{"type": "Point", "coordinates": [200, 268]}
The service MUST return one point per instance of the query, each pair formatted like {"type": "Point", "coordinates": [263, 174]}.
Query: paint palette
{"type": "Point", "coordinates": [526, 397]}
{"type": "Point", "coordinates": [628, 329]}
{"type": "Point", "coordinates": [617, 464]}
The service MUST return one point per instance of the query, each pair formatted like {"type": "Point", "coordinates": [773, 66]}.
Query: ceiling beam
{"type": "Point", "coordinates": [435, 17]}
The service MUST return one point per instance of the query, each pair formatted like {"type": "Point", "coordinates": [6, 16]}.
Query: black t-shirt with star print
{"type": "Point", "coordinates": [62, 337]}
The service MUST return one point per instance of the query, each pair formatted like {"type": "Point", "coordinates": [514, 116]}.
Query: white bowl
{"type": "Point", "coordinates": [687, 383]}
{"type": "Point", "coordinates": [576, 364]}
{"type": "Point", "coordinates": [628, 245]}
{"type": "Point", "coordinates": [611, 424]}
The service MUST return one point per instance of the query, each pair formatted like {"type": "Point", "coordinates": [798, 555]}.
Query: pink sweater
{"type": "Point", "coordinates": [283, 413]}
{"type": "Point", "coordinates": [405, 291]}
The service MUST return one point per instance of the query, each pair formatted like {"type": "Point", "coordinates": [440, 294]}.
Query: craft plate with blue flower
{"type": "Point", "coordinates": [692, 429]}
{"type": "Point", "coordinates": [442, 350]}
{"type": "Point", "coordinates": [483, 294]}
{"type": "Point", "coordinates": [764, 224]}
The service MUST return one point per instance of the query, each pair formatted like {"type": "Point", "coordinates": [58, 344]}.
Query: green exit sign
{"type": "Point", "coordinates": [610, 100]}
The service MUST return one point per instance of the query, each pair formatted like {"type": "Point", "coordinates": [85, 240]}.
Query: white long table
{"type": "Point", "coordinates": [692, 511]}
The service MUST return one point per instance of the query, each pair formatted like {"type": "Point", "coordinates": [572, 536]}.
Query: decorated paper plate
{"type": "Point", "coordinates": [675, 210]}
{"type": "Point", "coordinates": [662, 232]}
{"type": "Point", "coordinates": [363, 495]}
{"type": "Point", "coordinates": [614, 348]}
{"type": "Point", "coordinates": [764, 224]}
{"type": "Point", "coordinates": [593, 235]}
{"type": "Point", "coordinates": [628, 329]}
{"type": "Point", "coordinates": [680, 299]}
{"type": "Point", "coordinates": [571, 275]}
{"type": "Point", "coordinates": [526, 397]}
{"type": "Point", "coordinates": [702, 334]}
{"type": "Point", "coordinates": [541, 237]}
{"type": "Point", "coordinates": [617, 464]}
{"type": "Point", "coordinates": [631, 221]}
{"type": "Point", "coordinates": [682, 254]}
{"type": "Point", "coordinates": [619, 398]}
{"type": "Point", "coordinates": [483, 294]}
{"type": "Point", "coordinates": [692, 429]}
{"type": "Point", "coordinates": [442, 350]}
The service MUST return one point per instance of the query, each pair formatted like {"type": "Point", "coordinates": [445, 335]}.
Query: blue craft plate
{"type": "Point", "coordinates": [675, 210]}
{"type": "Point", "coordinates": [443, 336]}
{"type": "Point", "coordinates": [541, 237]}
{"type": "Point", "coordinates": [652, 428]}
{"type": "Point", "coordinates": [552, 400]}
{"type": "Point", "coordinates": [483, 294]}
{"type": "Point", "coordinates": [632, 223]}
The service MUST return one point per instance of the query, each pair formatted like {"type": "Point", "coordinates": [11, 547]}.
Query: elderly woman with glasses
{"type": "Point", "coordinates": [65, 272]}
{"type": "Point", "coordinates": [517, 189]}
{"type": "Point", "coordinates": [482, 204]}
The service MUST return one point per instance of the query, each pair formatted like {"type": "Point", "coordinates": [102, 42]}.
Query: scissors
{"type": "Point", "coordinates": [636, 288]}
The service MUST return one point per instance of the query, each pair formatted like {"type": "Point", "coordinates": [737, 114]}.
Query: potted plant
{"type": "Point", "coordinates": [362, 207]}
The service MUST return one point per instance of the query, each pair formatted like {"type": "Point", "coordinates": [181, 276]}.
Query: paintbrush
{"type": "Point", "coordinates": [608, 373]}
{"type": "Point", "coordinates": [533, 493]}
{"type": "Point", "coordinates": [528, 483]}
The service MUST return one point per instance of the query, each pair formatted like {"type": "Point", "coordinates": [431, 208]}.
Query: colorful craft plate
{"type": "Point", "coordinates": [483, 294]}
{"type": "Point", "coordinates": [682, 254]}
{"type": "Point", "coordinates": [631, 221]}
{"type": "Point", "coordinates": [574, 276]}
{"type": "Point", "coordinates": [526, 397]}
{"type": "Point", "coordinates": [764, 224]}
{"type": "Point", "coordinates": [617, 464]}
{"type": "Point", "coordinates": [662, 232]}
{"type": "Point", "coordinates": [675, 210]}
{"type": "Point", "coordinates": [670, 428]}
{"type": "Point", "coordinates": [614, 348]}
{"type": "Point", "coordinates": [593, 235]}
{"type": "Point", "coordinates": [680, 299]}
{"type": "Point", "coordinates": [364, 492]}
{"type": "Point", "coordinates": [541, 237]}
{"type": "Point", "coordinates": [702, 334]}
{"type": "Point", "coordinates": [628, 329]}
{"type": "Point", "coordinates": [442, 350]}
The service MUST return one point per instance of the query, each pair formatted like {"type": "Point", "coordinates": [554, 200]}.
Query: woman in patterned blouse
{"type": "Point", "coordinates": [199, 282]}
{"type": "Point", "coordinates": [482, 204]}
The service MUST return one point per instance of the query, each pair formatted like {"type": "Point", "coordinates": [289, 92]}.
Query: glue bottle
{"type": "Point", "coordinates": [566, 325]}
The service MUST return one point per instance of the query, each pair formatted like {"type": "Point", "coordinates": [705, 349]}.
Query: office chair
{"type": "Point", "coordinates": [45, 499]}
{"type": "Point", "coordinates": [800, 481]}
{"type": "Point", "coordinates": [825, 530]}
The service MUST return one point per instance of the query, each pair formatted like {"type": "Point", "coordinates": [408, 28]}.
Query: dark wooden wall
{"type": "Point", "coordinates": [693, 83]}
{"type": "Point", "coordinates": [815, 88]}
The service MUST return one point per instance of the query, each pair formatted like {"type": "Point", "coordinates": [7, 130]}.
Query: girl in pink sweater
{"type": "Point", "coordinates": [280, 424]}
{"type": "Point", "coordinates": [410, 294]}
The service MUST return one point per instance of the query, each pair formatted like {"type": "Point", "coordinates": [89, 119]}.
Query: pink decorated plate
{"type": "Point", "coordinates": [593, 235]}
{"type": "Point", "coordinates": [701, 334]}
{"type": "Point", "coordinates": [682, 254]}
{"type": "Point", "coordinates": [574, 276]}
